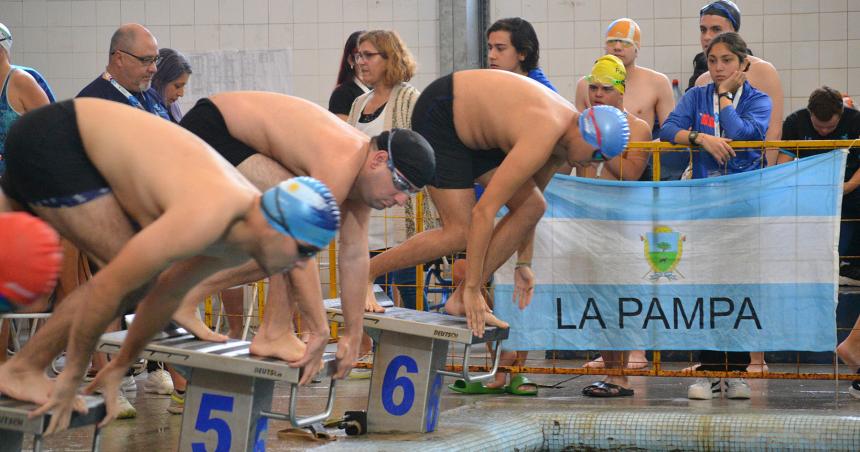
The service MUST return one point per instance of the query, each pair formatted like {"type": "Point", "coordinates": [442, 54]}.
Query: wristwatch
{"type": "Point", "coordinates": [729, 95]}
{"type": "Point", "coordinates": [692, 137]}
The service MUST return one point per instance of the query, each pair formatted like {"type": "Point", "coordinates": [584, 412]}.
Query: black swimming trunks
{"type": "Point", "coordinates": [207, 122]}
{"type": "Point", "coordinates": [46, 164]}
{"type": "Point", "coordinates": [457, 166]}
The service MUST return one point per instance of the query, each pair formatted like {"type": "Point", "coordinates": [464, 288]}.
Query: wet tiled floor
{"type": "Point", "coordinates": [156, 430]}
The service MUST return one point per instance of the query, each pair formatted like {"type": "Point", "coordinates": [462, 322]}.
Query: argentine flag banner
{"type": "Point", "coordinates": [743, 262]}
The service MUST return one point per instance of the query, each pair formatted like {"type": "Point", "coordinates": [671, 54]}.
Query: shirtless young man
{"type": "Point", "coordinates": [649, 92]}
{"type": "Point", "coordinates": [159, 212]}
{"type": "Point", "coordinates": [719, 17]}
{"type": "Point", "coordinates": [269, 137]}
{"type": "Point", "coordinates": [511, 144]}
{"type": "Point", "coordinates": [722, 16]}
{"type": "Point", "coordinates": [607, 86]}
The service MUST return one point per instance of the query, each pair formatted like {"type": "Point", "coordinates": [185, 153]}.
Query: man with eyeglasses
{"type": "Point", "coordinates": [127, 79]}
{"type": "Point", "coordinates": [511, 144]}
{"type": "Point", "coordinates": [271, 136]}
{"type": "Point", "coordinates": [159, 212]}
{"type": "Point", "coordinates": [131, 65]}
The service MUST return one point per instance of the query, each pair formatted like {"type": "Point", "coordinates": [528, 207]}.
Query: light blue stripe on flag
{"type": "Point", "coordinates": [800, 188]}
{"type": "Point", "coordinates": [751, 256]}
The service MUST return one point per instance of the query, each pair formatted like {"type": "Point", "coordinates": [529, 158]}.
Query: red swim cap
{"type": "Point", "coordinates": [30, 257]}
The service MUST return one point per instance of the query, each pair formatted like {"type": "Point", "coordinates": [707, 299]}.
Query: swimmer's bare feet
{"type": "Point", "coordinates": [490, 319]}
{"type": "Point", "coordinates": [188, 319]}
{"type": "Point", "coordinates": [594, 364]}
{"type": "Point", "coordinates": [285, 346]}
{"type": "Point", "coordinates": [757, 363]}
{"type": "Point", "coordinates": [691, 369]}
{"type": "Point", "coordinates": [455, 306]}
{"type": "Point", "coordinates": [370, 304]}
{"type": "Point", "coordinates": [22, 382]}
{"type": "Point", "coordinates": [637, 360]}
{"type": "Point", "coordinates": [849, 353]}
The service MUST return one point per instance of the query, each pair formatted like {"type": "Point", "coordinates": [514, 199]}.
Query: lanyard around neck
{"type": "Point", "coordinates": [735, 101]}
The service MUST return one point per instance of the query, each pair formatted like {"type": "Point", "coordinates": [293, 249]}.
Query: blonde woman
{"type": "Point", "coordinates": [386, 65]}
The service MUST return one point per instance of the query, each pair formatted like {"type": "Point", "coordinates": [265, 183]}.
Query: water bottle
{"type": "Point", "coordinates": [676, 90]}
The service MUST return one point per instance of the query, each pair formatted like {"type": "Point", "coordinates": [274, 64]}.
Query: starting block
{"type": "Point", "coordinates": [409, 363]}
{"type": "Point", "coordinates": [229, 397]}
{"type": "Point", "coordinates": [14, 423]}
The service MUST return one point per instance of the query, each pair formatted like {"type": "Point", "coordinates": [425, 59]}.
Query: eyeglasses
{"type": "Point", "coordinates": [365, 55]}
{"type": "Point", "coordinates": [305, 251]}
{"type": "Point", "coordinates": [625, 44]}
{"type": "Point", "coordinates": [400, 182]}
{"type": "Point", "coordinates": [146, 61]}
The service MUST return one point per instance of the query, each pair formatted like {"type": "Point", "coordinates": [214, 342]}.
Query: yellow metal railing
{"type": "Point", "coordinates": [657, 367]}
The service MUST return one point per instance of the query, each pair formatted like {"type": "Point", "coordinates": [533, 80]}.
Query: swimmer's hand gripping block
{"type": "Point", "coordinates": [430, 325]}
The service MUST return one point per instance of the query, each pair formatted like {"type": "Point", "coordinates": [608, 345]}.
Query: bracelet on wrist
{"type": "Point", "coordinates": [522, 264]}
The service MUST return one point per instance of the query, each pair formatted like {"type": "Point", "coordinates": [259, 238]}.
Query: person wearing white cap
{"type": "Point", "coordinates": [649, 93]}
{"type": "Point", "coordinates": [19, 94]}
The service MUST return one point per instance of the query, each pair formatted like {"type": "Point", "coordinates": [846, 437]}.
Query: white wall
{"type": "Point", "coordinates": [67, 40]}
{"type": "Point", "coordinates": [809, 41]}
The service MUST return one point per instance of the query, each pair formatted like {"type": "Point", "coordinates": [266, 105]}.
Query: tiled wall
{"type": "Point", "coordinates": [811, 42]}
{"type": "Point", "coordinates": [67, 40]}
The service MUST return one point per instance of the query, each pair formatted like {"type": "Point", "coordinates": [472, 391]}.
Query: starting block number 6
{"type": "Point", "coordinates": [391, 382]}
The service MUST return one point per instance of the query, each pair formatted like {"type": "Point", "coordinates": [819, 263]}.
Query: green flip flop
{"type": "Point", "coordinates": [518, 382]}
{"type": "Point", "coordinates": [475, 387]}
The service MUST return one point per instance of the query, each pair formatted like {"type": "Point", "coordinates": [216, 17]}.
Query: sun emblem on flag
{"type": "Point", "coordinates": [663, 250]}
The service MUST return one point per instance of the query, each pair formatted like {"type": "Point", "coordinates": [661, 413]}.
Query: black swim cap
{"type": "Point", "coordinates": [411, 154]}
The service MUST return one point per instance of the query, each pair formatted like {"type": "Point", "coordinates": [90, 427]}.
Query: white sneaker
{"type": "Point", "coordinates": [126, 411]}
{"type": "Point", "coordinates": [737, 388]}
{"type": "Point", "coordinates": [704, 389]}
{"type": "Point", "coordinates": [158, 382]}
{"type": "Point", "coordinates": [128, 384]}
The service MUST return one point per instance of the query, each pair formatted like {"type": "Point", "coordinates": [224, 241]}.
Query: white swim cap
{"type": "Point", "coordinates": [6, 39]}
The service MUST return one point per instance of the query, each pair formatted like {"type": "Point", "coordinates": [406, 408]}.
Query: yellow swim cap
{"type": "Point", "coordinates": [608, 70]}
{"type": "Point", "coordinates": [625, 30]}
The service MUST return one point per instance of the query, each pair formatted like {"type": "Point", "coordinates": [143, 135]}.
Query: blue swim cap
{"type": "Point", "coordinates": [605, 127]}
{"type": "Point", "coordinates": [303, 208]}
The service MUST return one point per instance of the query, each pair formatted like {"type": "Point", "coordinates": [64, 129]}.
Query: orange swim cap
{"type": "Point", "coordinates": [625, 30]}
{"type": "Point", "coordinates": [30, 258]}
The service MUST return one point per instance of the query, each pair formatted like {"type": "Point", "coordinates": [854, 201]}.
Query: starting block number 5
{"type": "Point", "coordinates": [207, 421]}
{"type": "Point", "coordinates": [394, 380]}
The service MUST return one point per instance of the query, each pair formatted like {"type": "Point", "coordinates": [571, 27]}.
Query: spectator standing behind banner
{"type": "Point", "coordinates": [826, 118]}
{"type": "Point", "coordinates": [386, 65]}
{"type": "Point", "coordinates": [19, 94]}
{"type": "Point", "coordinates": [170, 79]}
{"type": "Point", "coordinates": [710, 117]}
{"type": "Point", "coordinates": [349, 84]}
{"type": "Point", "coordinates": [512, 45]}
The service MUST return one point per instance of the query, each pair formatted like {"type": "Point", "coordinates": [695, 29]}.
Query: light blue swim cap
{"type": "Point", "coordinates": [303, 208]}
{"type": "Point", "coordinates": [605, 127]}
